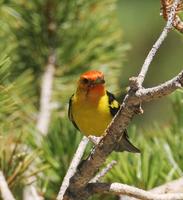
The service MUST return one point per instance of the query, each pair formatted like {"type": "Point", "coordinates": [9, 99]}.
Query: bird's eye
{"type": "Point", "coordinates": [85, 80]}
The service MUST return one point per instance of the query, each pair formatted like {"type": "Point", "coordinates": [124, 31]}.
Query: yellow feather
{"type": "Point", "coordinates": [114, 104]}
{"type": "Point", "coordinates": [91, 117]}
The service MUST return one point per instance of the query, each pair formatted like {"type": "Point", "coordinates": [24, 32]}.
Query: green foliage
{"type": "Point", "coordinates": [84, 34]}
{"type": "Point", "coordinates": [58, 147]}
{"type": "Point", "coordinates": [15, 118]}
{"type": "Point", "coordinates": [152, 167]}
{"type": "Point", "coordinates": [6, 104]}
{"type": "Point", "coordinates": [177, 104]}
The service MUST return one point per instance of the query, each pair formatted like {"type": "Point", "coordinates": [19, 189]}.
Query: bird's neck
{"type": "Point", "coordinates": [92, 94]}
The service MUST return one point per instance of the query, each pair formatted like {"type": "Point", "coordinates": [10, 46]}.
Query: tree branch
{"type": "Point", "coordinates": [45, 97]}
{"type": "Point", "coordinates": [161, 90]}
{"type": "Point", "coordinates": [43, 121]}
{"type": "Point", "coordinates": [177, 23]}
{"type": "Point", "coordinates": [103, 172]}
{"type": "Point", "coordinates": [158, 43]}
{"type": "Point", "coordinates": [87, 169]}
{"type": "Point", "coordinates": [119, 189]}
{"type": "Point", "coordinates": [5, 191]}
{"type": "Point", "coordinates": [73, 165]}
{"type": "Point", "coordinates": [175, 186]}
{"type": "Point", "coordinates": [128, 109]}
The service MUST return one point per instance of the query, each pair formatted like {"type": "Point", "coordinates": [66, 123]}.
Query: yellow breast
{"type": "Point", "coordinates": [92, 118]}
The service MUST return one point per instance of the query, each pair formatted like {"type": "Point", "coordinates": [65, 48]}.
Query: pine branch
{"type": "Point", "coordinates": [47, 79]}
{"type": "Point", "coordinates": [30, 192]}
{"type": "Point", "coordinates": [130, 106]}
{"type": "Point", "coordinates": [45, 97]}
{"type": "Point", "coordinates": [5, 191]}
{"type": "Point", "coordinates": [44, 115]}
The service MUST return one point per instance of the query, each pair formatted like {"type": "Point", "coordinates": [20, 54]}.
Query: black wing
{"type": "Point", "coordinates": [124, 144]}
{"type": "Point", "coordinates": [113, 104]}
{"type": "Point", "coordinates": [70, 113]}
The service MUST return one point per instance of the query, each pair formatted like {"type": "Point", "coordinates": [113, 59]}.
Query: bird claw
{"type": "Point", "coordinates": [95, 140]}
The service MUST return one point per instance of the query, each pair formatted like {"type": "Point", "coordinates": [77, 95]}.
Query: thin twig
{"type": "Point", "coordinates": [30, 193]}
{"type": "Point", "coordinates": [119, 189]}
{"type": "Point", "coordinates": [104, 171]}
{"type": "Point", "coordinates": [177, 23]}
{"type": "Point", "coordinates": [158, 43]}
{"type": "Point", "coordinates": [73, 165]}
{"type": "Point", "coordinates": [5, 191]}
{"type": "Point", "coordinates": [161, 90]}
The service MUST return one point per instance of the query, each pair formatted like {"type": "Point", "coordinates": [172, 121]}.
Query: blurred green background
{"type": "Point", "coordinates": [108, 35]}
{"type": "Point", "coordinates": [142, 24]}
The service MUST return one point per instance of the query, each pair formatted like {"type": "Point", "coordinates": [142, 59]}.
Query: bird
{"type": "Point", "coordinates": [92, 107]}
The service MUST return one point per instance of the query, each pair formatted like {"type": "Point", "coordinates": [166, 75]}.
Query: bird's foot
{"type": "Point", "coordinates": [95, 140]}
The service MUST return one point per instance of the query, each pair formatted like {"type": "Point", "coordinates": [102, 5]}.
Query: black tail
{"type": "Point", "coordinates": [125, 145]}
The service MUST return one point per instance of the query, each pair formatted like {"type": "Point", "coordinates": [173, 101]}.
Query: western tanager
{"type": "Point", "coordinates": [92, 107]}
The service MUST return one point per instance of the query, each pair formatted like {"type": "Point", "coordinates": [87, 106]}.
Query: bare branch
{"type": "Point", "coordinates": [47, 79]}
{"type": "Point", "coordinates": [166, 5]}
{"type": "Point", "coordinates": [5, 191]}
{"type": "Point", "coordinates": [103, 172]}
{"type": "Point", "coordinates": [158, 43]}
{"type": "Point", "coordinates": [73, 165]}
{"type": "Point", "coordinates": [87, 169]}
{"type": "Point", "coordinates": [161, 90]}
{"type": "Point", "coordinates": [119, 189]}
{"type": "Point", "coordinates": [175, 186]}
{"type": "Point", "coordinates": [45, 98]}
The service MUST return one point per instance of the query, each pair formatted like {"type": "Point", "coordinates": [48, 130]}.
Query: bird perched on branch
{"type": "Point", "coordinates": [92, 107]}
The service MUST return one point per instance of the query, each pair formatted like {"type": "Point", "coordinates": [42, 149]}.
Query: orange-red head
{"type": "Point", "coordinates": [92, 82]}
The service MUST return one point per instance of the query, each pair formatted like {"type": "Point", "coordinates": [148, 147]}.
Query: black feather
{"type": "Point", "coordinates": [70, 113]}
{"type": "Point", "coordinates": [124, 144]}
{"type": "Point", "coordinates": [113, 110]}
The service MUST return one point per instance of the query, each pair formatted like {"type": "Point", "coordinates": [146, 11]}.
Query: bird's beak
{"type": "Point", "coordinates": [99, 81]}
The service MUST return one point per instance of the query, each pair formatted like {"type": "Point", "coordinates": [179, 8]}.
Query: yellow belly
{"type": "Point", "coordinates": [92, 118]}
